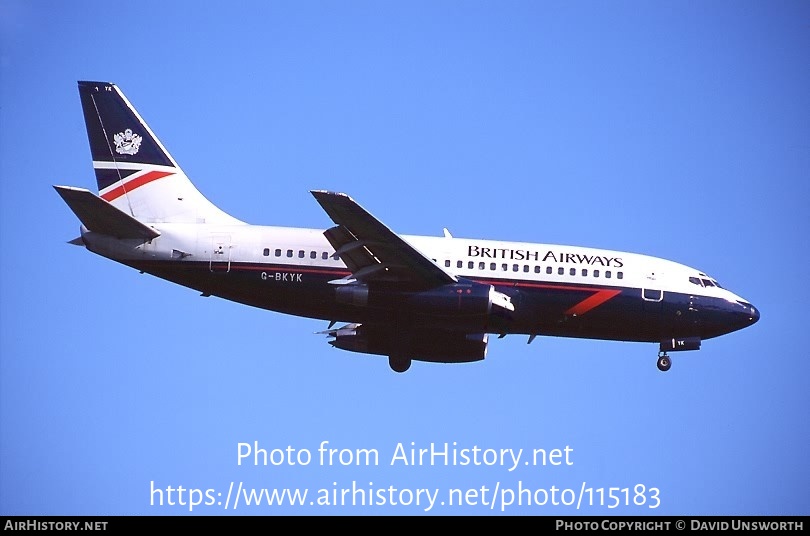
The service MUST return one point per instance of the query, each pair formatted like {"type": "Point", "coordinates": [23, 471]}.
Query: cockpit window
{"type": "Point", "coordinates": [705, 281]}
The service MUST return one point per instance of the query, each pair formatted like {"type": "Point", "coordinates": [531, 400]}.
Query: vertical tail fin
{"type": "Point", "coordinates": [134, 171]}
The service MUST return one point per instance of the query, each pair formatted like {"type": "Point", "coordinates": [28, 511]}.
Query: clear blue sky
{"type": "Point", "coordinates": [676, 129]}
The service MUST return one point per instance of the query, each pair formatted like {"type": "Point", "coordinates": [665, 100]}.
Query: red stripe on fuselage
{"type": "Point", "coordinates": [599, 296]}
{"type": "Point", "coordinates": [135, 183]}
{"type": "Point", "coordinates": [592, 301]}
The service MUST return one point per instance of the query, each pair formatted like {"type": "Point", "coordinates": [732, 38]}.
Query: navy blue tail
{"type": "Point", "coordinates": [117, 134]}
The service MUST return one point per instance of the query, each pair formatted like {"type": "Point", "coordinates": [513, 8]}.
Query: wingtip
{"type": "Point", "coordinates": [328, 193]}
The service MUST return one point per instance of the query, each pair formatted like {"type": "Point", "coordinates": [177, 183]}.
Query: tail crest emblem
{"type": "Point", "coordinates": [127, 142]}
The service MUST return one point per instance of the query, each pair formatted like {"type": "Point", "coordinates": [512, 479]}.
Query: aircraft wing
{"type": "Point", "coordinates": [372, 251]}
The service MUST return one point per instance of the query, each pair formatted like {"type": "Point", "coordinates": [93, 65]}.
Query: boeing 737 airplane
{"type": "Point", "coordinates": [421, 298]}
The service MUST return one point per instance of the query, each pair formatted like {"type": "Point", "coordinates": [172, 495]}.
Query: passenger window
{"type": "Point", "coordinates": [584, 272]}
{"type": "Point", "coordinates": [289, 253]}
{"type": "Point", "coordinates": [324, 255]}
{"type": "Point", "coordinates": [470, 265]}
{"type": "Point", "coordinates": [459, 264]}
{"type": "Point", "coordinates": [447, 263]}
{"type": "Point", "coordinates": [619, 275]}
{"type": "Point", "coordinates": [492, 266]}
{"type": "Point", "coordinates": [560, 270]}
{"type": "Point", "coordinates": [596, 273]}
{"type": "Point", "coordinates": [548, 269]}
{"type": "Point", "coordinates": [313, 254]}
{"type": "Point", "coordinates": [505, 267]}
{"type": "Point", "coordinates": [278, 253]}
{"type": "Point", "coordinates": [481, 266]}
{"type": "Point", "coordinates": [572, 271]}
{"type": "Point", "coordinates": [537, 269]}
{"type": "Point", "coordinates": [300, 253]}
{"type": "Point", "coordinates": [266, 252]}
{"type": "Point", "coordinates": [526, 268]}
{"type": "Point", "coordinates": [515, 267]}
{"type": "Point", "coordinates": [607, 274]}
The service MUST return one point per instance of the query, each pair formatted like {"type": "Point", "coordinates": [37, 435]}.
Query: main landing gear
{"type": "Point", "coordinates": [664, 362]}
{"type": "Point", "coordinates": [399, 363]}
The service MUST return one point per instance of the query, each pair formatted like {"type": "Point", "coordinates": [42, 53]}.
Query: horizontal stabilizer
{"type": "Point", "coordinates": [99, 216]}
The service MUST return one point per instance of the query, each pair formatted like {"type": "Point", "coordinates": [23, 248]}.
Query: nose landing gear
{"type": "Point", "coordinates": [664, 362]}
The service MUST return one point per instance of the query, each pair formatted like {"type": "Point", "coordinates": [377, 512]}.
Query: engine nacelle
{"type": "Point", "coordinates": [422, 345]}
{"type": "Point", "coordinates": [450, 348]}
{"type": "Point", "coordinates": [463, 298]}
{"type": "Point", "coordinates": [352, 295]}
{"type": "Point", "coordinates": [463, 305]}
{"type": "Point", "coordinates": [681, 344]}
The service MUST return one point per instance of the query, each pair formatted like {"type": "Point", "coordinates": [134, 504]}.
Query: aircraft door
{"type": "Point", "coordinates": [692, 319]}
{"type": "Point", "coordinates": [220, 255]}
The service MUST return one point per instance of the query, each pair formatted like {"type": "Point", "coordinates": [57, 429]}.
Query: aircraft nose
{"type": "Point", "coordinates": [754, 315]}
{"type": "Point", "coordinates": [749, 312]}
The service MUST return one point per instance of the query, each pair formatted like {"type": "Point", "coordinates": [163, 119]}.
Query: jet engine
{"type": "Point", "coordinates": [464, 305]}
{"type": "Point", "coordinates": [436, 346]}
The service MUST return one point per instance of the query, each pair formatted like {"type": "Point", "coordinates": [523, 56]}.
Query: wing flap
{"type": "Point", "coordinates": [350, 250]}
{"type": "Point", "coordinates": [371, 250]}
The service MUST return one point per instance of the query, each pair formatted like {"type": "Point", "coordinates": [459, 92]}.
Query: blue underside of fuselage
{"type": "Point", "coordinates": [541, 309]}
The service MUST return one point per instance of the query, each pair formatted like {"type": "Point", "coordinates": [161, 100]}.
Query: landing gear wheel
{"type": "Point", "coordinates": [399, 364]}
{"type": "Point", "coordinates": [664, 362]}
